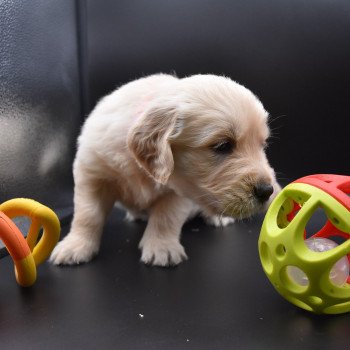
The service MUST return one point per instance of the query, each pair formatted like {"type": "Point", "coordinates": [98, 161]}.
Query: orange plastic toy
{"type": "Point", "coordinates": [27, 253]}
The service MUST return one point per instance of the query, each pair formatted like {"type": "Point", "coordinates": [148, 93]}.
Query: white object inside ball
{"type": "Point", "coordinates": [339, 272]}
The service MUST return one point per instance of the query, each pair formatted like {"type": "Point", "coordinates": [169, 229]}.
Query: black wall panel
{"type": "Point", "coordinates": [293, 54]}
{"type": "Point", "coordinates": [39, 98]}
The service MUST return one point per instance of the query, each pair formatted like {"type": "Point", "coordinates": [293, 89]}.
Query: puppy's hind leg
{"type": "Point", "coordinates": [92, 203]}
{"type": "Point", "coordinates": [160, 243]}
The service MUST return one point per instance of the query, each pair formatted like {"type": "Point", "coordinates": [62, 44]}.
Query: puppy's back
{"type": "Point", "coordinates": [105, 130]}
{"type": "Point", "coordinates": [134, 93]}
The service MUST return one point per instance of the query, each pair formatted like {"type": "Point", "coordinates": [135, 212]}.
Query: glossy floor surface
{"type": "Point", "coordinates": [218, 299]}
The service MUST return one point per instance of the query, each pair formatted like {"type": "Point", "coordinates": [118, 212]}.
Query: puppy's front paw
{"type": "Point", "coordinates": [162, 252]}
{"type": "Point", "coordinates": [219, 221]}
{"type": "Point", "coordinates": [73, 250]}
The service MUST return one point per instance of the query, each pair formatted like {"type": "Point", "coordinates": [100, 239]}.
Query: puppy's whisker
{"type": "Point", "coordinates": [272, 119]}
{"type": "Point", "coordinates": [209, 200]}
{"type": "Point", "coordinates": [273, 137]}
{"type": "Point", "coordinates": [222, 214]}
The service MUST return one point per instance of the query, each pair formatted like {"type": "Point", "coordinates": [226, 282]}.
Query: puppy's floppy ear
{"type": "Point", "coordinates": [148, 140]}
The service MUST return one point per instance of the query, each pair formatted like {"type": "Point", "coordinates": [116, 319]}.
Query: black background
{"type": "Point", "coordinates": [292, 54]}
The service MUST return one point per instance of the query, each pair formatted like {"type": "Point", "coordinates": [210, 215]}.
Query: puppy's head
{"type": "Point", "coordinates": [206, 140]}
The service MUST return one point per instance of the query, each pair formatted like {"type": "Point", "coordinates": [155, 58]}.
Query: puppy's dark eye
{"type": "Point", "coordinates": [224, 147]}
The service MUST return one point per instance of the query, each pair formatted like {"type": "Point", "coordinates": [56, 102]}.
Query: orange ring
{"type": "Point", "coordinates": [41, 216]}
{"type": "Point", "coordinates": [19, 250]}
{"type": "Point", "coordinates": [28, 253]}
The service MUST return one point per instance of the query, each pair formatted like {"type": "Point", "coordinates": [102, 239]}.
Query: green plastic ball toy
{"type": "Point", "coordinates": [312, 272]}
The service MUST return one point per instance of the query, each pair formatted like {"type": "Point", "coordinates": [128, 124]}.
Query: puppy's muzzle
{"type": "Point", "coordinates": [263, 191]}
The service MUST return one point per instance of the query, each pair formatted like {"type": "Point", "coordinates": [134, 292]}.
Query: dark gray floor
{"type": "Point", "coordinates": [219, 299]}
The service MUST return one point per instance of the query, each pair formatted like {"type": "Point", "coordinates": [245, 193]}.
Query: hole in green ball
{"type": "Point", "coordinates": [281, 251]}
{"type": "Point", "coordinates": [339, 272]}
{"type": "Point", "coordinates": [336, 221]}
{"type": "Point", "coordinates": [298, 276]}
{"type": "Point", "coordinates": [291, 282]}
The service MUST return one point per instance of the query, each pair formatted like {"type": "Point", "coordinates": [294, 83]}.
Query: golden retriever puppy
{"type": "Point", "coordinates": [168, 148]}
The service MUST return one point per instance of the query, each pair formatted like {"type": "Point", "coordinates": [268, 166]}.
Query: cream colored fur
{"type": "Point", "coordinates": [150, 145]}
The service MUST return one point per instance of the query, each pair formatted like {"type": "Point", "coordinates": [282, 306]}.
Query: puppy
{"type": "Point", "coordinates": [168, 148]}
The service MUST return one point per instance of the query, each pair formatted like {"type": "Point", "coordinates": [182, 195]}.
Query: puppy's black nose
{"type": "Point", "coordinates": [263, 191]}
